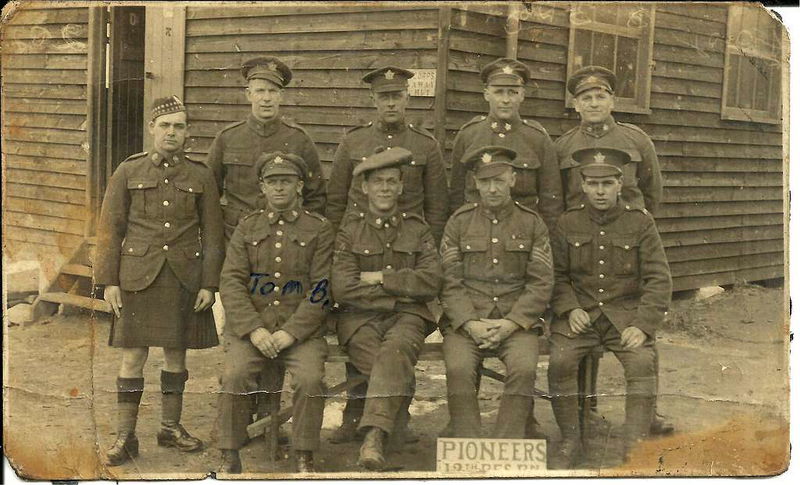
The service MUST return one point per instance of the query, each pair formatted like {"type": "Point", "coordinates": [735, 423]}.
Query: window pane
{"type": "Point", "coordinates": [775, 91]}
{"type": "Point", "coordinates": [764, 73]}
{"type": "Point", "coordinates": [605, 14]}
{"type": "Point", "coordinates": [747, 83]}
{"type": "Point", "coordinates": [603, 50]}
{"type": "Point", "coordinates": [627, 65]}
{"type": "Point", "coordinates": [733, 81]}
{"type": "Point", "coordinates": [582, 50]}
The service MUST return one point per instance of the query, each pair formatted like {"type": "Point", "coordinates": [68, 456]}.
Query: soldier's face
{"type": "Point", "coordinates": [602, 192]}
{"type": "Point", "coordinates": [391, 106]}
{"type": "Point", "coordinates": [504, 101]}
{"type": "Point", "coordinates": [281, 190]}
{"type": "Point", "coordinates": [169, 132]}
{"type": "Point", "coordinates": [382, 188]}
{"type": "Point", "coordinates": [594, 105]}
{"type": "Point", "coordinates": [265, 98]}
{"type": "Point", "coordinates": [496, 191]}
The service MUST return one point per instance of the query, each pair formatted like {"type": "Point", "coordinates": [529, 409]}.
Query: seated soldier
{"type": "Point", "coordinates": [613, 287]}
{"type": "Point", "coordinates": [384, 270]}
{"type": "Point", "coordinates": [498, 279]}
{"type": "Point", "coordinates": [274, 287]}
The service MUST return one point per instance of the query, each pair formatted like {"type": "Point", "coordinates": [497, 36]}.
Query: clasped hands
{"type": "Point", "coordinates": [271, 344]}
{"type": "Point", "coordinates": [489, 333]}
{"type": "Point", "coordinates": [631, 337]}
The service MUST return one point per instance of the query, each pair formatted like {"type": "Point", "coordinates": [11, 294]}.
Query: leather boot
{"type": "Point", "coordinates": [371, 454]}
{"type": "Point", "coordinates": [353, 409]}
{"type": "Point", "coordinates": [567, 454]}
{"type": "Point", "coordinates": [172, 434]}
{"type": "Point", "coordinates": [231, 463]}
{"type": "Point", "coordinates": [304, 461]}
{"type": "Point", "coordinates": [125, 448]}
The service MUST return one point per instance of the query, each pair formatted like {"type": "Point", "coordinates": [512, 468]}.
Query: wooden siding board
{"type": "Point", "coordinates": [31, 177]}
{"type": "Point", "coordinates": [55, 194]}
{"type": "Point", "coordinates": [344, 60]}
{"type": "Point", "coordinates": [54, 150]}
{"type": "Point", "coordinates": [717, 222]}
{"type": "Point", "coordinates": [44, 135]}
{"type": "Point", "coordinates": [39, 120]}
{"type": "Point", "coordinates": [719, 265]}
{"type": "Point", "coordinates": [51, 15]}
{"type": "Point", "coordinates": [45, 61]}
{"type": "Point", "coordinates": [76, 212]}
{"type": "Point", "coordinates": [26, 240]}
{"type": "Point", "coordinates": [43, 164]}
{"type": "Point", "coordinates": [688, 210]}
{"type": "Point", "coordinates": [45, 91]}
{"type": "Point", "coordinates": [680, 283]}
{"type": "Point", "coordinates": [684, 164]}
{"type": "Point", "coordinates": [56, 107]}
{"type": "Point", "coordinates": [197, 13]}
{"type": "Point", "coordinates": [689, 24]}
{"type": "Point", "coordinates": [38, 221]}
{"type": "Point", "coordinates": [715, 236]}
{"type": "Point", "coordinates": [693, 253]}
{"type": "Point", "coordinates": [71, 31]}
{"type": "Point", "coordinates": [45, 76]}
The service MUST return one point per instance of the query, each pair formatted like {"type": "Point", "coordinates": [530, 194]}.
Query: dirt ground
{"type": "Point", "coordinates": [723, 382]}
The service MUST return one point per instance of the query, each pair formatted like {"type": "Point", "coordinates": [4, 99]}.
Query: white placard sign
{"type": "Point", "coordinates": [468, 456]}
{"type": "Point", "coordinates": [423, 83]}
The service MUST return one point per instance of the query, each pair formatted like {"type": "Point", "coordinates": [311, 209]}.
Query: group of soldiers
{"type": "Point", "coordinates": [526, 229]}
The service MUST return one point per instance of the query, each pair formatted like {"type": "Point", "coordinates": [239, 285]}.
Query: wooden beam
{"type": "Point", "coordinates": [440, 90]}
{"type": "Point", "coordinates": [95, 118]}
{"type": "Point", "coordinates": [512, 30]}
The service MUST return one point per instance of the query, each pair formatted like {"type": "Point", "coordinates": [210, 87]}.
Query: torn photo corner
{"type": "Point", "coordinates": [405, 240]}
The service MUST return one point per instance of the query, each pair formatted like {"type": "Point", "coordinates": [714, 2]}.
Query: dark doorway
{"type": "Point", "coordinates": [125, 83]}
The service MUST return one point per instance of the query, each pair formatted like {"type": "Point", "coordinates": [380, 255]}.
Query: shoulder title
{"type": "Point", "coordinates": [633, 127]}
{"type": "Point", "coordinates": [422, 131]}
{"type": "Point", "coordinates": [135, 156]}
{"type": "Point", "coordinates": [231, 126]}
{"type": "Point", "coordinates": [535, 125]}
{"type": "Point", "coordinates": [470, 206]}
{"type": "Point", "coordinates": [315, 215]}
{"type": "Point", "coordinates": [358, 127]}
{"type": "Point", "coordinates": [474, 120]}
{"type": "Point", "coordinates": [293, 124]}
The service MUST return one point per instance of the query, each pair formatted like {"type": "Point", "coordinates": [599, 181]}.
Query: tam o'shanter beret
{"type": "Point", "coordinates": [601, 162]}
{"type": "Point", "coordinates": [388, 78]}
{"type": "Point", "coordinates": [505, 72]}
{"type": "Point", "coordinates": [384, 158]}
{"type": "Point", "coordinates": [489, 161]}
{"type": "Point", "coordinates": [165, 106]}
{"type": "Point", "coordinates": [268, 68]}
{"type": "Point", "coordinates": [590, 77]}
{"type": "Point", "coordinates": [279, 163]}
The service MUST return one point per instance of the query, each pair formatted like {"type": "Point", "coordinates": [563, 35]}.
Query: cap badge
{"type": "Point", "coordinates": [592, 79]}
{"type": "Point", "coordinates": [599, 158]}
{"type": "Point", "coordinates": [507, 69]}
{"type": "Point", "coordinates": [486, 158]}
{"type": "Point", "coordinates": [278, 160]}
{"type": "Point", "coordinates": [272, 66]}
{"type": "Point", "coordinates": [389, 74]}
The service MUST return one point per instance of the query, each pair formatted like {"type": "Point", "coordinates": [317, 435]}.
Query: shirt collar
{"type": "Point", "coordinates": [392, 129]}
{"type": "Point", "coordinates": [263, 128]}
{"type": "Point", "coordinates": [500, 213]}
{"type": "Point", "coordinates": [606, 216]}
{"type": "Point", "coordinates": [503, 126]}
{"type": "Point", "coordinates": [157, 158]}
{"type": "Point", "coordinates": [599, 129]}
{"type": "Point", "coordinates": [380, 222]}
{"type": "Point", "coordinates": [289, 215]}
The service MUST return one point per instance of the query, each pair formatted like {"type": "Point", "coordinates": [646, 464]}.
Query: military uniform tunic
{"type": "Point", "coordinates": [233, 155]}
{"type": "Point", "coordinates": [160, 225]}
{"type": "Point", "coordinates": [497, 264]}
{"type": "Point", "coordinates": [612, 265]}
{"type": "Point", "coordinates": [276, 276]}
{"type": "Point", "coordinates": [641, 178]}
{"type": "Point", "coordinates": [538, 184]}
{"type": "Point", "coordinates": [424, 178]}
{"type": "Point", "coordinates": [382, 326]}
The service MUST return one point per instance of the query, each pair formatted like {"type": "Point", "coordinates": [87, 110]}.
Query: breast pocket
{"type": "Point", "coordinates": [143, 195]}
{"type": "Point", "coordinates": [300, 250]}
{"type": "Point", "coordinates": [259, 251]}
{"type": "Point", "coordinates": [369, 256]}
{"type": "Point", "coordinates": [626, 255]}
{"type": "Point", "coordinates": [414, 175]}
{"type": "Point", "coordinates": [473, 253]}
{"type": "Point", "coordinates": [516, 257]}
{"type": "Point", "coordinates": [238, 170]}
{"type": "Point", "coordinates": [187, 198]}
{"type": "Point", "coordinates": [406, 253]}
{"type": "Point", "coordinates": [581, 258]}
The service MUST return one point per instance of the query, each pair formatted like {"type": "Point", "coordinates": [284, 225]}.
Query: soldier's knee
{"type": "Point", "coordinates": [237, 378]}
{"type": "Point", "coordinates": [309, 382]}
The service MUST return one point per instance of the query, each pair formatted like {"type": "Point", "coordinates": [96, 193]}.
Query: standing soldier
{"type": "Point", "coordinates": [384, 271]}
{"type": "Point", "coordinates": [498, 280]}
{"type": "Point", "coordinates": [236, 148]}
{"type": "Point", "coordinates": [424, 185]}
{"type": "Point", "coordinates": [538, 181]}
{"type": "Point", "coordinates": [159, 254]}
{"type": "Point", "coordinates": [274, 286]}
{"type": "Point", "coordinates": [593, 90]}
{"type": "Point", "coordinates": [613, 288]}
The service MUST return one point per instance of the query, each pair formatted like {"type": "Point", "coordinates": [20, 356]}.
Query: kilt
{"type": "Point", "coordinates": [162, 315]}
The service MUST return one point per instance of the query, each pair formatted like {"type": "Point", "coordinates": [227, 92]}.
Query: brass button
{"type": "Point", "coordinates": [366, 251]}
{"type": "Point", "coordinates": [501, 135]}
{"type": "Point", "coordinates": [494, 221]}
{"type": "Point", "coordinates": [601, 290]}
{"type": "Point", "coordinates": [278, 245]}
{"type": "Point", "coordinates": [276, 302]}
{"type": "Point", "coordinates": [278, 259]}
{"type": "Point", "coordinates": [167, 224]}
{"type": "Point", "coordinates": [468, 246]}
{"type": "Point", "coordinates": [495, 261]}
{"type": "Point", "coordinates": [494, 298]}
{"type": "Point", "coordinates": [388, 266]}
{"type": "Point", "coordinates": [602, 276]}
{"type": "Point", "coordinates": [277, 274]}
{"type": "Point", "coordinates": [302, 243]}
{"type": "Point", "coordinates": [130, 250]}
{"type": "Point", "coordinates": [388, 245]}
{"type": "Point", "coordinates": [280, 222]}
{"type": "Point", "coordinates": [602, 233]}
{"type": "Point", "coordinates": [140, 185]}
{"type": "Point", "coordinates": [166, 181]}
{"type": "Point", "coordinates": [522, 246]}
{"type": "Point", "coordinates": [197, 254]}
{"type": "Point", "coordinates": [627, 247]}
{"type": "Point", "coordinates": [190, 189]}
{"type": "Point", "coordinates": [255, 243]}
{"type": "Point", "coordinates": [602, 262]}
{"type": "Point", "coordinates": [279, 233]}
{"type": "Point", "coordinates": [495, 240]}
{"type": "Point", "coordinates": [165, 248]}
{"type": "Point", "coordinates": [165, 203]}
{"type": "Point", "coordinates": [600, 304]}
{"type": "Point", "coordinates": [577, 244]}
{"type": "Point", "coordinates": [602, 247]}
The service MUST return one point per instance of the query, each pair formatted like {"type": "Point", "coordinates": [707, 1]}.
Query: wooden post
{"type": "Point", "coordinates": [95, 117]}
{"type": "Point", "coordinates": [440, 90]}
{"type": "Point", "coordinates": [512, 30]}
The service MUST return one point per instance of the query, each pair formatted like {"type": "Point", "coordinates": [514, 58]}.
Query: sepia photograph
{"type": "Point", "coordinates": [395, 239]}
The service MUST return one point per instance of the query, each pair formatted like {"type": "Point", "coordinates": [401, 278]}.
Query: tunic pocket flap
{"type": "Point", "coordinates": [474, 245]}
{"type": "Point", "coordinates": [256, 237]}
{"type": "Point", "coordinates": [237, 158]}
{"type": "Point", "coordinates": [527, 162]}
{"type": "Point", "coordinates": [406, 246]}
{"type": "Point", "coordinates": [135, 248]}
{"type": "Point", "coordinates": [366, 249]}
{"type": "Point", "coordinates": [578, 240]}
{"type": "Point", "coordinates": [302, 238]}
{"type": "Point", "coordinates": [518, 245]}
{"type": "Point", "coordinates": [416, 162]}
{"type": "Point", "coordinates": [189, 187]}
{"type": "Point", "coordinates": [625, 243]}
{"type": "Point", "coordinates": [142, 184]}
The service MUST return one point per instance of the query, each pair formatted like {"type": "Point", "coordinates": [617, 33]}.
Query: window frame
{"type": "Point", "coordinates": [644, 72]}
{"type": "Point", "coordinates": [735, 113]}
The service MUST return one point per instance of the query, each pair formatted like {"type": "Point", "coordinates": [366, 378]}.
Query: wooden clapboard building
{"type": "Point", "coordinates": [704, 80]}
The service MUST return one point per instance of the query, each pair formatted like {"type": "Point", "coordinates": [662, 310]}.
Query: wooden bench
{"type": "Point", "coordinates": [587, 384]}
